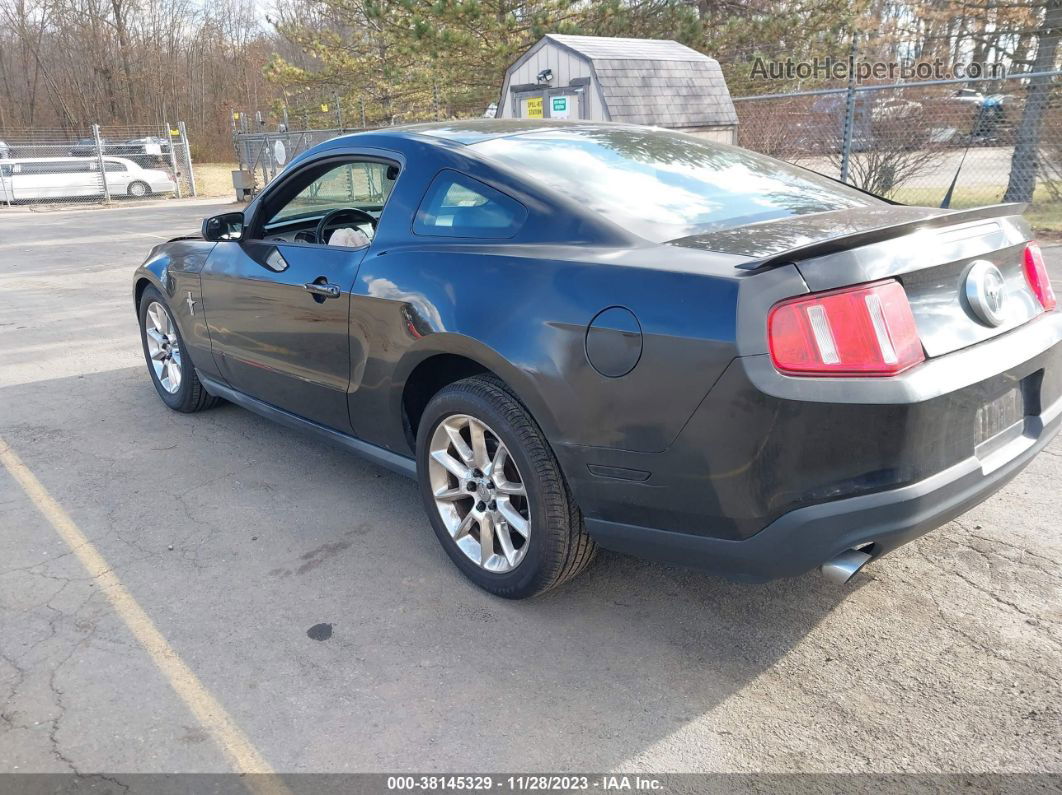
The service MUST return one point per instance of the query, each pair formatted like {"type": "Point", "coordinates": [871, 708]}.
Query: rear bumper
{"type": "Point", "coordinates": [803, 539]}
{"type": "Point", "coordinates": [772, 476]}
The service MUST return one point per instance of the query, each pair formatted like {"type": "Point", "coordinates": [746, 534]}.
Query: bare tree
{"type": "Point", "coordinates": [893, 150]}
{"type": "Point", "coordinates": [65, 64]}
{"type": "Point", "coordinates": [1025, 161]}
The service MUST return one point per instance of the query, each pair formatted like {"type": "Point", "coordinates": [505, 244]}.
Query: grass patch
{"type": "Point", "coordinates": [214, 179]}
{"type": "Point", "coordinates": [1046, 220]}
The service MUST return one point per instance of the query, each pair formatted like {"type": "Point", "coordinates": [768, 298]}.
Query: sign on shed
{"type": "Point", "coordinates": [533, 108]}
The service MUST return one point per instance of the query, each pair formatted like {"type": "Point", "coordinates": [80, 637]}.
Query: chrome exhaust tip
{"type": "Point", "coordinates": [845, 566]}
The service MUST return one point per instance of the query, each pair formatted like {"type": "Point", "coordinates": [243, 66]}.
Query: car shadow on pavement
{"type": "Point", "coordinates": [241, 539]}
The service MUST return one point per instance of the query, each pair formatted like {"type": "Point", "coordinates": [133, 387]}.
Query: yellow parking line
{"type": "Point", "coordinates": [245, 758]}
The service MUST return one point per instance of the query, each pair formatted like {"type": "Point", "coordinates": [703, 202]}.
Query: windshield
{"type": "Point", "coordinates": [664, 185]}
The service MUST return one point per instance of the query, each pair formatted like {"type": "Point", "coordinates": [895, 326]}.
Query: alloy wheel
{"type": "Point", "coordinates": [479, 493]}
{"type": "Point", "coordinates": [163, 346]}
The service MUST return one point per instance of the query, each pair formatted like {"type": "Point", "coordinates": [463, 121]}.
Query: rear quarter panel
{"type": "Point", "coordinates": [522, 312]}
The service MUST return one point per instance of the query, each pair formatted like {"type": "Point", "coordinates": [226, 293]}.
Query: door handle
{"type": "Point", "coordinates": [324, 290]}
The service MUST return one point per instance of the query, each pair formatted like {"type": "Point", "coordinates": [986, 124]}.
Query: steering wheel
{"type": "Point", "coordinates": [358, 217]}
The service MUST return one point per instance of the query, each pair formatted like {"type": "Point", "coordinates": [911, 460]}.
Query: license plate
{"type": "Point", "coordinates": [995, 417]}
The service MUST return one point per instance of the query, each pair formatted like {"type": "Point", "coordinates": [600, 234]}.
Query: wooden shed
{"type": "Point", "coordinates": [639, 81]}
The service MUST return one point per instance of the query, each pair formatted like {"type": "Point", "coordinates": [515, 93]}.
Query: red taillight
{"type": "Point", "coordinates": [858, 331]}
{"type": "Point", "coordinates": [1036, 276]}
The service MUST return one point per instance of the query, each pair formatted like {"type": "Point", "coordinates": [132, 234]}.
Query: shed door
{"type": "Point", "coordinates": [531, 105]}
{"type": "Point", "coordinates": [565, 106]}
{"type": "Point", "coordinates": [554, 103]}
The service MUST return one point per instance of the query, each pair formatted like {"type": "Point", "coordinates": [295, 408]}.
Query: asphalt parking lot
{"type": "Point", "coordinates": [234, 537]}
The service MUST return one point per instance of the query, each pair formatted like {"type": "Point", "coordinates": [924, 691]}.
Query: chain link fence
{"type": "Point", "coordinates": [95, 165]}
{"type": "Point", "coordinates": [940, 143]}
{"type": "Point", "coordinates": [954, 143]}
{"type": "Point", "coordinates": [263, 155]}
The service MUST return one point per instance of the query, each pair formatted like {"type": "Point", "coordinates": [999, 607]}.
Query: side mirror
{"type": "Point", "coordinates": [227, 226]}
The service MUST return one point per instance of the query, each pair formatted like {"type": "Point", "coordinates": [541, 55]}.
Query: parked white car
{"type": "Point", "coordinates": [36, 178]}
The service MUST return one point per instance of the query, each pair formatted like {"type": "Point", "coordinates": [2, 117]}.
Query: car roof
{"type": "Point", "coordinates": [107, 158]}
{"type": "Point", "coordinates": [456, 133]}
{"type": "Point", "coordinates": [472, 131]}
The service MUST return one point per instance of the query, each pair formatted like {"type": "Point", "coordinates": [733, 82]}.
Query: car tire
{"type": "Point", "coordinates": [139, 189]}
{"type": "Point", "coordinates": [174, 377]}
{"type": "Point", "coordinates": [556, 546]}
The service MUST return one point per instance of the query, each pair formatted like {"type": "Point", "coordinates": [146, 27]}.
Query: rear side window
{"type": "Point", "coordinates": [459, 206]}
{"type": "Point", "coordinates": [57, 167]}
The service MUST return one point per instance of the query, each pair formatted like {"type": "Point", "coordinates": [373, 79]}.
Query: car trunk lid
{"type": "Point", "coordinates": [936, 254]}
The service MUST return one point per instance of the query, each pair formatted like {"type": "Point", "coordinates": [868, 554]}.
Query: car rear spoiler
{"type": "Point", "coordinates": [878, 234]}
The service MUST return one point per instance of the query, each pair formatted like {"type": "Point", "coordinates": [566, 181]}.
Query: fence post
{"type": "Point", "coordinates": [187, 157]}
{"type": "Point", "coordinates": [173, 159]}
{"type": "Point", "coordinates": [99, 161]}
{"type": "Point", "coordinates": [258, 160]}
{"type": "Point", "coordinates": [849, 112]}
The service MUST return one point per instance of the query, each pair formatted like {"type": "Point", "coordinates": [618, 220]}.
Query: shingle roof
{"type": "Point", "coordinates": [643, 49]}
{"type": "Point", "coordinates": [648, 81]}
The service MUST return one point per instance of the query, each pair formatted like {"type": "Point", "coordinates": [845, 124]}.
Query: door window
{"type": "Point", "coordinates": [349, 197]}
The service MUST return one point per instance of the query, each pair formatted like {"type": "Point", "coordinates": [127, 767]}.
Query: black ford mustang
{"type": "Point", "coordinates": [581, 334]}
